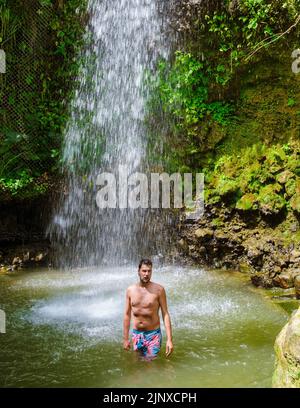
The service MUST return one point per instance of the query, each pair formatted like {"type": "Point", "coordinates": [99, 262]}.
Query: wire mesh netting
{"type": "Point", "coordinates": [25, 145]}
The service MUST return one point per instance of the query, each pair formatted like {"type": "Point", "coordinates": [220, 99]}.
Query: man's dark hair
{"type": "Point", "coordinates": [147, 262]}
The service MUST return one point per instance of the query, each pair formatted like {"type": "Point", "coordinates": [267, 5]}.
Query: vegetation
{"type": "Point", "coordinates": [41, 42]}
{"type": "Point", "coordinates": [233, 102]}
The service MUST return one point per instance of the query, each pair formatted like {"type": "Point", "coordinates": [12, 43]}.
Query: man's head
{"type": "Point", "coordinates": [145, 270]}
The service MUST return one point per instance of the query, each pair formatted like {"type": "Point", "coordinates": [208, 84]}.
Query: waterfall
{"type": "Point", "coordinates": [106, 129]}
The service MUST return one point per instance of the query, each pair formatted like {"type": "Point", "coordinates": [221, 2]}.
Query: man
{"type": "Point", "coordinates": [143, 300]}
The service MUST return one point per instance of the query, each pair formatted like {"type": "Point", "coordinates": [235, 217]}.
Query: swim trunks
{"type": "Point", "coordinates": [148, 342]}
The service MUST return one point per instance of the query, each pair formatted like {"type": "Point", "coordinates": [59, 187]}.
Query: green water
{"type": "Point", "coordinates": [64, 329]}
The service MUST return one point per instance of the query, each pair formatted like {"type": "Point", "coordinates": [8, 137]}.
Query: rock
{"type": "Point", "coordinates": [295, 203]}
{"type": "Point", "coordinates": [287, 349]}
{"type": "Point", "coordinates": [181, 242]}
{"type": "Point", "coordinates": [284, 280]}
{"type": "Point", "coordinates": [284, 176]}
{"type": "Point", "coordinates": [247, 202]}
{"type": "Point", "coordinates": [39, 257]}
{"type": "Point", "coordinates": [221, 236]}
{"type": "Point", "coordinates": [294, 256]}
{"type": "Point", "coordinates": [204, 233]}
{"type": "Point", "coordinates": [26, 257]}
{"type": "Point", "coordinates": [255, 256]}
{"type": "Point", "coordinates": [270, 202]}
{"type": "Point", "coordinates": [294, 227]}
{"type": "Point", "coordinates": [261, 279]}
{"type": "Point", "coordinates": [297, 286]}
{"type": "Point", "coordinates": [202, 250]}
{"type": "Point", "coordinates": [16, 261]}
{"type": "Point", "coordinates": [294, 271]}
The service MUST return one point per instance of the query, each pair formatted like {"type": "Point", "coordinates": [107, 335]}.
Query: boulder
{"type": "Point", "coordinates": [295, 256]}
{"type": "Point", "coordinates": [287, 349]}
{"type": "Point", "coordinates": [297, 286]}
{"type": "Point", "coordinates": [39, 257]}
{"type": "Point", "coordinates": [204, 233]}
{"type": "Point", "coordinates": [16, 261]}
{"type": "Point", "coordinates": [284, 176]}
{"type": "Point", "coordinates": [284, 280]}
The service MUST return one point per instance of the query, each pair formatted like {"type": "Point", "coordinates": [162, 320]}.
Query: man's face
{"type": "Point", "coordinates": [145, 273]}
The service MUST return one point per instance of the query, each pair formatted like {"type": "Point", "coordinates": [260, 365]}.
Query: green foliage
{"type": "Point", "coordinates": [34, 96]}
{"type": "Point", "coordinates": [184, 92]}
{"type": "Point", "coordinates": [254, 25]}
{"type": "Point", "coordinates": [197, 92]}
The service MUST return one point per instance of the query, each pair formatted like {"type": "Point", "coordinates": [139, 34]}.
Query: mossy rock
{"type": "Point", "coordinates": [295, 203]}
{"type": "Point", "coordinates": [269, 200]}
{"type": "Point", "coordinates": [293, 164]}
{"type": "Point", "coordinates": [227, 186]}
{"type": "Point", "coordinates": [214, 199]}
{"type": "Point", "coordinates": [275, 159]}
{"type": "Point", "coordinates": [210, 196]}
{"type": "Point", "coordinates": [290, 187]}
{"type": "Point", "coordinates": [284, 176]}
{"type": "Point", "coordinates": [247, 202]}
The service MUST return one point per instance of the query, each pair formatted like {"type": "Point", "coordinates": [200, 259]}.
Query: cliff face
{"type": "Point", "coordinates": [287, 348]}
{"type": "Point", "coordinates": [251, 220]}
{"type": "Point", "coordinates": [246, 137]}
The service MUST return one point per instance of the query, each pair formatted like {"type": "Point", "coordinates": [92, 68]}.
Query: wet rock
{"type": "Point", "coordinates": [261, 279]}
{"type": "Point", "coordinates": [297, 286]}
{"type": "Point", "coordinates": [182, 242]}
{"type": "Point", "coordinates": [236, 228]}
{"type": "Point", "coordinates": [39, 257]}
{"type": "Point", "coordinates": [284, 280]}
{"type": "Point", "coordinates": [221, 236]}
{"type": "Point", "coordinates": [247, 239]}
{"type": "Point", "coordinates": [204, 233]}
{"type": "Point", "coordinates": [287, 349]}
{"type": "Point", "coordinates": [16, 261]}
{"type": "Point", "coordinates": [294, 271]}
{"type": "Point", "coordinates": [202, 251]}
{"type": "Point", "coordinates": [26, 257]}
{"type": "Point", "coordinates": [255, 257]}
{"type": "Point", "coordinates": [295, 257]}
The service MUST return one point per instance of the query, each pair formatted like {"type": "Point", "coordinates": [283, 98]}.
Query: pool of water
{"type": "Point", "coordinates": [64, 329]}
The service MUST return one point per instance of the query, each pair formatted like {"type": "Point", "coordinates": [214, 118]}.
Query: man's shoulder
{"type": "Point", "coordinates": [158, 287]}
{"type": "Point", "coordinates": [131, 288]}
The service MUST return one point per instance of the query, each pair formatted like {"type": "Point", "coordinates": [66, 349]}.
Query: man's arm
{"type": "Point", "coordinates": [167, 321]}
{"type": "Point", "coordinates": [126, 322]}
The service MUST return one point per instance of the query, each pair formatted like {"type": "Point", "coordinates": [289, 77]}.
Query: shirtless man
{"type": "Point", "coordinates": [144, 299]}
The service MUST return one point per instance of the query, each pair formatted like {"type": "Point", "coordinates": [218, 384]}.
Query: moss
{"type": "Point", "coordinates": [226, 186]}
{"type": "Point", "coordinates": [247, 202]}
{"type": "Point", "coordinates": [217, 222]}
{"type": "Point", "coordinates": [256, 178]}
{"type": "Point", "coordinates": [295, 203]}
{"type": "Point", "coordinates": [269, 200]}
{"type": "Point", "coordinates": [290, 187]}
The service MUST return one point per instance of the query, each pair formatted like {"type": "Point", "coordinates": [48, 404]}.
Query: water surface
{"type": "Point", "coordinates": [65, 329]}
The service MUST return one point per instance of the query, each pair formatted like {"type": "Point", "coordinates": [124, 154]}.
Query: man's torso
{"type": "Point", "coordinates": [145, 306]}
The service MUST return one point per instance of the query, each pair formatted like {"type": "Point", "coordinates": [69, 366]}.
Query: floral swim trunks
{"type": "Point", "coordinates": [148, 343]}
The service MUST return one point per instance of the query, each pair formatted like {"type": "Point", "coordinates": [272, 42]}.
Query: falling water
{"type": "Point", "coordinates": [106, 129]}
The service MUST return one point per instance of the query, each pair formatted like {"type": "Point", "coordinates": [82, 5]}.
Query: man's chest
{"type": "Point", "coordinates": [145, 301]}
